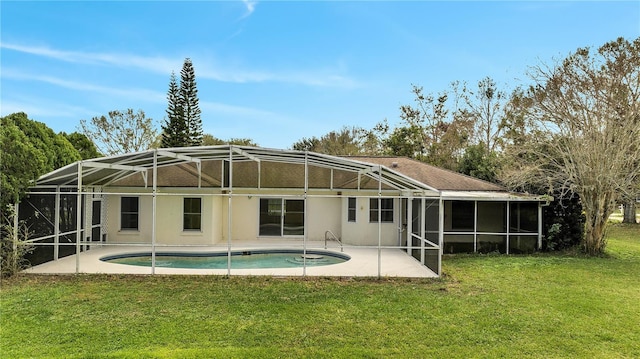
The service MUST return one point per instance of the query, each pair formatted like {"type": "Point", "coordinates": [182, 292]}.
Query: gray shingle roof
{"type": "Point", "coordinates": [432, 176]}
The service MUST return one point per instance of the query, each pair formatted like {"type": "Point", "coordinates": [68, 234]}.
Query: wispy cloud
{"type": "Point", "coordinates": [250, 8]}
{"type": "Point", "coordinates": [253, 122]}
{"type": "Point", "coordinates": [317, 78]}
{"type": "Point", "coordinates": [39, 107]}
{"type": "Point", "coordinates": [148, 95]}
{"type": "Point", "coordinates": [206, 68]}
{"type": "Point", "coordinates": [155, 64]}
{"type": "Point", "coordinates": [221, 108]}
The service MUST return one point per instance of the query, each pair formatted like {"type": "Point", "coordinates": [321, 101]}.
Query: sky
{"type": "Point", "coordinates": [278, 71]}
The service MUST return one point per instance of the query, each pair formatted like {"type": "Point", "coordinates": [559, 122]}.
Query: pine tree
{"type": "Point", "coordinates": [175, 130]}
{"type": "Point", "coordinates": [189, 104]}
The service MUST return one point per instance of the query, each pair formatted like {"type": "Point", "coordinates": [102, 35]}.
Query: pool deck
{"type": "Point", "coordinates": [363, 262]}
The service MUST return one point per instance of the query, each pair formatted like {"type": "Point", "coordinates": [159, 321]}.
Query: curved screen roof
{"type": "Point", "coordinates": [104, 171]}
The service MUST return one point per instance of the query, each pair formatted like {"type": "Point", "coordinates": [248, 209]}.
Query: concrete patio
{"type": "Point", "coordinates": [363, 262]}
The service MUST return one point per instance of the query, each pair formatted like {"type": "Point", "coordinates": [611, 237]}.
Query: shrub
{"type": "Point", "coordinates": [563, 222]}
{"type": "Point", "coordinates": [13, 247]}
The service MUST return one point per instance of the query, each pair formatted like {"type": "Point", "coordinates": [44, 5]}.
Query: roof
{"type": "Point", "coordinates": [438, 178]}
{"type": "Point", "coordinates": [110, 170]}
{"type": "Point", "coordinates": [256, 167]}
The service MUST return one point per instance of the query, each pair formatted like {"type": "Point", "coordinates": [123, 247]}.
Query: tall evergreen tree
{"type": "Point", "coordinates": [175, 130]}
{"type": "Point", "coordinates": [189, 103]}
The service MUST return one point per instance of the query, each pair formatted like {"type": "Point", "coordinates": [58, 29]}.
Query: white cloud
{"type": "Point", "coordinates": [230, 109]}
{"type": "Point", "coordinates": [148, 95]}
{"type": "Point", "coordinates": [250, 6]}
{"type": "Point", "coordinates": [206, 68]}
{"type": "Point", "coordinates": [38, 107]}
{"type": "Point", "coordinates": [154, 64]}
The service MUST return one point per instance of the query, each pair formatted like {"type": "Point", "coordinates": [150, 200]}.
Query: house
{"type": "Point", "coordinates": [204, 196]}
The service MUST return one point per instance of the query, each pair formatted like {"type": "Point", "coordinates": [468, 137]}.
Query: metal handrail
{"type": "Point", "coordinates": [335, 238]}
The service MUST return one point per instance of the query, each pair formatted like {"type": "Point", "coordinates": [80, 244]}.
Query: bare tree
{"type": "Point", "coordinates": [121, 132]}
{"type": "Point", "coordinates": [588, 107]}
{"type": "Point", "coordinates": [486, 107]}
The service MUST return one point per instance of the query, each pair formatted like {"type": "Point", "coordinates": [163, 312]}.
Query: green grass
{"type": "Point", "coordinates": [538, 306]}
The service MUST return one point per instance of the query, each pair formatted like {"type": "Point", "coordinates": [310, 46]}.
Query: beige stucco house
{"type": "Point", "coordinates": [224, 195]}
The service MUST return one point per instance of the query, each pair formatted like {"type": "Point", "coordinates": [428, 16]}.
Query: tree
{"type": "Point", "coordinates": [629, 211]}
{"type": "Point", "coordinates": [518, 127]}
{"type": "Point", "coordinates": [487, 113]}
{"type": "Point", "coordinates": [345, 142]}
{"type": "Point", "coordinates": [405, 141]}
{"type": "Point", "coordinates": [175, 131]}
{"type": "Point", "coordinates": [629, 205]}
{"type": "Point", "coordinates": [189, 103]}
{"type": "Point", "coordinates": [479, 162]}
{"type": "Point", "coordinates": [20, 162]}
{"type": "Point", "coordinates": [28, 149]}
{"type": "Point", "coordinates": [122, 132]}
{"type": "Point", "coordinates": [210, 140]}
{"type": "Point", "coordinates": [57, 150]}
{"type": "Point", "coordinates": [433, 131]}
{"type": "Point", "coordinates": [588, 106]}
{"type": "Point", "coordinates": [82, 144]}
{"type": "Point", "coordinates": [183, 126]}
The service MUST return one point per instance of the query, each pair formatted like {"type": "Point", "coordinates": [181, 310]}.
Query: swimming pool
{"type": "Point", "coordinates": [246, 259]}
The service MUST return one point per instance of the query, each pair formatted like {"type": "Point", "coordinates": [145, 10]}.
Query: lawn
{"type": "Point", "coordinates": [538, 306]}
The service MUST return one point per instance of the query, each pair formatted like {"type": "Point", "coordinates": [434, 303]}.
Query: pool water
{"type": "Point", "coordinates": [239, 260]}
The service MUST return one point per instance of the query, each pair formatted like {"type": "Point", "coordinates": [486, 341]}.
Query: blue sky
{"type": "Point", "coordinates": [279, 71]}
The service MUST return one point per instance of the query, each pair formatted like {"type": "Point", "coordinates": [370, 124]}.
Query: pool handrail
{"type": "Point", "coordinates": [335, 238]}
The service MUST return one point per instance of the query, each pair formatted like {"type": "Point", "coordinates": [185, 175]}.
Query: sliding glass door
{"type": "Point", "coordinates": [281, 217]}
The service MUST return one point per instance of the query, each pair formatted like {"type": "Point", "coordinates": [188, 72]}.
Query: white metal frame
{"type": "Point", "coordinates": [89, 176]}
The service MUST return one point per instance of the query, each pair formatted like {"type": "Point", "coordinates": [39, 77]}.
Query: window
{"type": "Point", "coordinates": [351, 209]}
{"type": "Point", "coordinates": [461, 216]}
{"type": "Point", "coordinates": [386, 210]}
{"type": "Point", "coordinates": [192, 218]}
{"type": "Point", "coordinates": [129, 213]}
{"type": "Point", "coordinates": [492, 217]}
{"type": "Point", "coordinates": [524, 217]}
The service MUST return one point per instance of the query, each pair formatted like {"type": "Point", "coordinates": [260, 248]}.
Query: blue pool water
{"type": "Point", "coordinates": [270, 258]}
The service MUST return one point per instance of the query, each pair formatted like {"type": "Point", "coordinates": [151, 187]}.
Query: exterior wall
{"type": "Point", "coordinates": [489, 233]}
{"type": "Point", "coordinates": [363, 232]}
{"type": "Point", "coordinates": [115, 234]}
{"type": "Point", "coordinates": [324, 214]}
{"type": "Point", "coordinates": [169, 218]}
{"type": "Point", "coordinates": [245, 216]}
